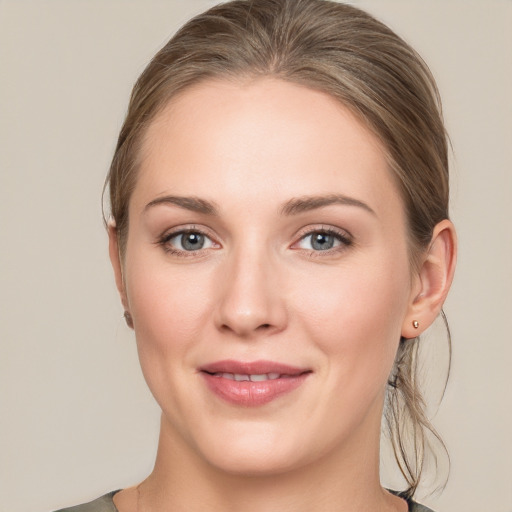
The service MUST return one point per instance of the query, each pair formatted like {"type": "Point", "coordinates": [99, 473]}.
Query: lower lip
{"type": "Point", "coordinates": [252, 394]}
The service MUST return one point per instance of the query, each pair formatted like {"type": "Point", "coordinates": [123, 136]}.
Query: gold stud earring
{"type": "Point", "coordinates": [415, 324]}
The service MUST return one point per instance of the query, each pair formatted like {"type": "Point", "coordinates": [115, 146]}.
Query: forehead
{"type": "Point", "coordinates": [266, 138]}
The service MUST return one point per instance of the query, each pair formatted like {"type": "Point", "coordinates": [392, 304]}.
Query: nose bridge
{"type": "Point", "coordinates": [250, 301]}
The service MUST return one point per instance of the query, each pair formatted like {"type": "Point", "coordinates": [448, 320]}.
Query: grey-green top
{"type": "Point", "coordinates": [106, 504]}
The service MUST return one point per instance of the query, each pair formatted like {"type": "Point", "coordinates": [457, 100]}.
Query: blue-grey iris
{"type": "Point", "coordinates": [322, 241]}
{"type": "Point", "coordinates": [192, 241]}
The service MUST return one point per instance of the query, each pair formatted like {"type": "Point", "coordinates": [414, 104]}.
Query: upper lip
{"type": "Point", "coordinates": [252, 368]}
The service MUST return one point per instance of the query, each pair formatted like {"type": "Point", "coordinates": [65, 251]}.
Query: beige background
{"type": "Point", "coordinates": [76, 418]}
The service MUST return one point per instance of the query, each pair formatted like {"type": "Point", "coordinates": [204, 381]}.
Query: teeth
{"type": "Point", "coordinates": [239, 377]}
{"type": "Point", "coordinates": [259, 378]}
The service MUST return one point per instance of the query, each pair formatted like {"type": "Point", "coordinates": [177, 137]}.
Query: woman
{"type": "Point", "coordinates": [280, 239]}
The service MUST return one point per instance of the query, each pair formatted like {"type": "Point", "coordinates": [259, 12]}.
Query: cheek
{"type": "Point", "coordinates": [355, 313]}
{"type": "Point", "coordinates": [169, 306]}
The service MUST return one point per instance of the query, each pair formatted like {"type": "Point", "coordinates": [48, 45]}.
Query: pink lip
{"type": "Point", "coordinates": [249, 393]}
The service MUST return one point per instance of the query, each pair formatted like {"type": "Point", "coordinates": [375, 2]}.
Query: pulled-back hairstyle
{"type": "Point", "coordinates": [346, 53]}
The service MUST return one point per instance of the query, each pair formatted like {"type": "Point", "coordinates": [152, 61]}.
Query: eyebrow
{"type": "Point", "coordinates": [194, 204]}
{"type": "Point", "coordinates": [292, 207]}
{"type": "Point", "coordinates": [308, 203]}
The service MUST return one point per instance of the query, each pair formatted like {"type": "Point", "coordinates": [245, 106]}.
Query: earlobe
{"type": "Point", "coordinates": [115, 259]}
{"type": "Point", "coordinates": [434, 279]}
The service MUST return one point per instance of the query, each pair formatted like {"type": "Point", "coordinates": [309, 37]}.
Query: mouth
{"type": "Point", "coordinates": [252, 384]}
{"type": "Point", "coordinates": [259, 377]}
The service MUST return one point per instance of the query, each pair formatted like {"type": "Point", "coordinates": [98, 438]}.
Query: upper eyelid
{"type": "Point", "coordinates": [324, 228]}
{"type": "Point", "coordinates": [178, 230]}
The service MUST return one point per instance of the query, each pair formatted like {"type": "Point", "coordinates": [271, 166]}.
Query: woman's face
{"type": "Point", "coordinates": [267, 274]}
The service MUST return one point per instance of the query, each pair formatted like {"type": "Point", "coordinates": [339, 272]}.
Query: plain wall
{"type": "Point", "coordinates": [76, 419]}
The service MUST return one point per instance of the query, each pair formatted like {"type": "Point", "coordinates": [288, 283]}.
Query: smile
{"type": "Point", "coordinates": [239, 377]}
{"type": "Point", "coordinates": [252, 384]}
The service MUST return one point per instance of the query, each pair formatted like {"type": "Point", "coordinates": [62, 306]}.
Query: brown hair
{"type": "Point", "coordinates": [346, 53]}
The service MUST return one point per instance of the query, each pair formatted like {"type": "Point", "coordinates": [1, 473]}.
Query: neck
{"type": "Point", "coordinates": [348, 477]}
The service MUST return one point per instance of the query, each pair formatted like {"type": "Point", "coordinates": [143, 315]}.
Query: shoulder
{"type": "Point", "coordinates": [413, 506]}
{"type": "Point", "coordinates": [416, 507]}
{"type": "Point", "coordinates": [104, 503]}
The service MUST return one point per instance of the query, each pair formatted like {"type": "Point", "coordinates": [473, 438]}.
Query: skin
{"type": "Point", "coordinates": [259, 289]}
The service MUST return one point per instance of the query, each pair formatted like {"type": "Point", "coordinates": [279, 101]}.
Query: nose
{"type": "Point", "coordinates": [250, 301]}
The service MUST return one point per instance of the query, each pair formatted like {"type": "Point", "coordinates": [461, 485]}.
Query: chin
{"type": "Point", "coordinates": [261, 464]}
{"type": "Point", "coordinates": [256, 453]}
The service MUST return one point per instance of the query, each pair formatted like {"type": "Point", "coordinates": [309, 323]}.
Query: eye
{"type": "Point", "coordinates": [323, 240]}
{"type": "Point", "coordinates": [186, 241]}
{"type": "Point", "coordinates": [189, 241]}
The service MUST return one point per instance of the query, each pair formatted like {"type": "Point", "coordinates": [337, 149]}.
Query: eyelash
{"type": "Point", "coordinates": [164, 240]}
{"type": "Point", "coordinates": [345, 239]}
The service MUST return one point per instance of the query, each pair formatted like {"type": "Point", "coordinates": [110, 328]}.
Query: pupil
{"type": "Point", "coordinates": [192, 241]}
{"type": "Point", "coordinates": [322, 242]}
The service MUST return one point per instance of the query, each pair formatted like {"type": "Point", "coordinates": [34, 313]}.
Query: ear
{"type": "Point", "coordinates": [432, 281]}
{"type": "Point", "coordinates": [115, 259]}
